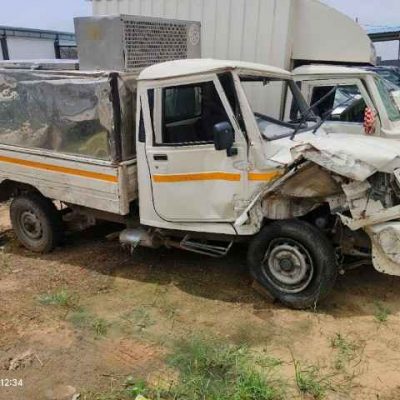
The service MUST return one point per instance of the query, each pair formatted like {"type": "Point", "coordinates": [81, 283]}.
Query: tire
{"type": "Point", "coordinates": [36, 222]}
{"type": "Point", "coordinates": [294, 262]}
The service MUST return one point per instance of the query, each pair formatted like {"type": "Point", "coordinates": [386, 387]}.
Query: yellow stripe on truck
{"type": "Point", "coordinates": [57, 168]}
{"type": "Point", "coordinates": [201, 176]}
{"type": "Point", "coordinates": [264, 176]}
{"type": "Point", "coordinates": [216, 176]}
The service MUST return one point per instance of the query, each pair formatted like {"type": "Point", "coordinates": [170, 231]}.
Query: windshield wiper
{"type": "Point", "coordinates": [310, 109]}
{"type": "Point", "coordinates": [326, 114]}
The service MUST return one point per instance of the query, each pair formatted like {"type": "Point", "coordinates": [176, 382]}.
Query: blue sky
{"type": "Point", "coordinates": [43, 14]}
{"type": "Point", "coordinates": [58, 14]}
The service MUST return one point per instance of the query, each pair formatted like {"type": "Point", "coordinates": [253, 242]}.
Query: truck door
{"type": "Point", "coordinates": [348, 103]}
{"type": "Point", "coordinates": [192, 181]}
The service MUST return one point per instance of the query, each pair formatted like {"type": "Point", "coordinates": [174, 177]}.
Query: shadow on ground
{"type": "Point", "coordinates": [226, 279]}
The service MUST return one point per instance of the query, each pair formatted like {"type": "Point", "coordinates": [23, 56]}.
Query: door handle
{"type": "Point", "coordinates": [160, 157]}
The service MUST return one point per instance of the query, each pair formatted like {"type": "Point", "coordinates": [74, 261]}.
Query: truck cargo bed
{"type": "Point", "coordinates": [70, 134]}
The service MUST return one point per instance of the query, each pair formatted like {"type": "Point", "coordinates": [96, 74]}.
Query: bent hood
{"type": "Point", "coordinates": [356, 157]}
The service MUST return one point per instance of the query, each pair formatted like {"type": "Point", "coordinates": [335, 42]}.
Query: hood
{"type": "Point", "coordinates": [354, 156]}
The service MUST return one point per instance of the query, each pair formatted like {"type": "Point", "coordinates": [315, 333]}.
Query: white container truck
{"type": "Point", "coordinates": [282, 33]}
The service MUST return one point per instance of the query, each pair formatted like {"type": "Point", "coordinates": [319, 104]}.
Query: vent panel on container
{"type": "Point", "coordinates": [148, 42]}
{"type": "Point", "coordinates": [131, 43]}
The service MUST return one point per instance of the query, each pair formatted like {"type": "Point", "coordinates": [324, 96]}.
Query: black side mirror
{"type": "Point", "coordinates": [224, 137]}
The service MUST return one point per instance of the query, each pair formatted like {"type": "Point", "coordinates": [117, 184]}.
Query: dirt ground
{"type": "Point", "coordinates": [140, 304]}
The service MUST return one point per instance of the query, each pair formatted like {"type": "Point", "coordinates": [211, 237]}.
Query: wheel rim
{"type": "Point", "coordinates": [31, 225]}
{"type": "Point", "coordinates": [288, 265]}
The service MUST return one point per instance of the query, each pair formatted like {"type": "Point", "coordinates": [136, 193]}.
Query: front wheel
{"type": "Point", "coordinates": [294, 262]}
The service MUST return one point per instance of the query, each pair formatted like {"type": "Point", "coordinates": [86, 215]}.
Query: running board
{"type": "Point", "coordinates": [203, 248]}
{"type": "Point", "coordinates": [134, 237]}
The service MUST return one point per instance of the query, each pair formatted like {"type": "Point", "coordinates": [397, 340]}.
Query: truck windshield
{"type": "Point", "coordinates": [262, 94]}
{"type": "Point", "coordinates": [386, 91]}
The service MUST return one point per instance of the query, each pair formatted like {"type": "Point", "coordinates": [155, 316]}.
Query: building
{"type": "Point", "coordinates": [28, 44]}
{"type": "Point", "coordinates": [385, 35]}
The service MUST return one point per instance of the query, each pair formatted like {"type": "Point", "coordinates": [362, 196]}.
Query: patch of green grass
{"type": "Point", "coordinates": [310, 382]}
{"type": "Point", "coordinates": [5, 262]}
{"type": "Point", "coordinates": [135, 388]}
{"type": "Point", "coordinates": [269, 362]}
{"type": "Point", "coordinates": [84, 320]}
{"type": "Point", "coordinates": [60, 298]}
{"type": "Point", "coordinates": [140, 317]}
{"type": "Point", "coordinates": [80, 318]}
{"type": "Point", "coordinates": [132, 388]}
{"type": "Point", "coordinates": [346, 350]}
{"type": "Point", "coordinates": [100, 326]}
{"type": "Point", "coordinates": [215, 371]}
{"type": "Point", "coordinates": [381, 312]}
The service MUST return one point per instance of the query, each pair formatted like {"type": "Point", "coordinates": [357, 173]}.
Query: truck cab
{"type": "Point", "coordinates": [203, 151]}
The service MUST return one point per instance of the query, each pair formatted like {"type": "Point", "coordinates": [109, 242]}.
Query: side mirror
{"type": "Point", "coordinates": [224, 137]}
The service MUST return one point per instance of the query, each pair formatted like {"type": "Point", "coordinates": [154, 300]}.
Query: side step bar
{"type": "Point", "coordinates": [135, 237]}
{"type": "Point", "coordinates": [204, 248]}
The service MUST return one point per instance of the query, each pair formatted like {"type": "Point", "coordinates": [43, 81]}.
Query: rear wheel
{"type": "Point", "coordinates": [294, 262]}
{"type": "Point", "coordinates": [36, 222]}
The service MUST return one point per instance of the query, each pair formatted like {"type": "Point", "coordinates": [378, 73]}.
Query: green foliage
{"type": "Point", "coordinates": [99, 326]}
{"type": "Point", "coordinates": [140, 318]}
{"type": "Point", "coordinates": [60, 298]}
{"type": "Point", "coordinates": [216, 371]}
{"type": "Point", "coordinates": [132, 388]}
{"type": "Point", "coordinates": [346, 350]}
{"type": "Point", "coordinates": [310, 382]}
{"type": "Point", "coordinates": [83, 320]}
{"type": "Point", "coordinates": [135, 388]}
{"type": "Point", "coordinates": [381, 312]}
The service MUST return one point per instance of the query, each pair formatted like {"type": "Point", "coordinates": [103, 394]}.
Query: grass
{"type": "Point", "coordinates": [310, 382]}
{"type": "Point", "coordinates": [99, 326]}
{"type": "Point", "coordinates": [215, 371]}
{"type": "Point", "coordinates": [269, 362]}
{"type": "Point", "coordinates": [132, 388]}
{"type": "Point", "coordinates": [84, 320]}
{"type": "Point", "coordinates": [347, 350]}
{"type": "Point", "coordinates": [5, 262]}
{"type": "Point", "coordinates": [140, 317]}
{"type": "Point", "coordinates": [381, 312]}
{"type": "Point", "coordinates": [60, 298]}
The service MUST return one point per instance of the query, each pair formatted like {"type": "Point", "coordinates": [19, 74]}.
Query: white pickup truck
{"type": "Point", "coordinates": [179, 155]}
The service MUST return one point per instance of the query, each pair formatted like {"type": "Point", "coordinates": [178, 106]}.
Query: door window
{"type": "Point", "coordinates": [190, 113]}
{"type": "Point", "coordinates": [388, 100]}
{"type": "Point", "coordinates": [344, 104]}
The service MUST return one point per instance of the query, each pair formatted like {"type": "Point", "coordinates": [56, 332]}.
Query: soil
{"type": "Point", "coordinates": [138, 305]}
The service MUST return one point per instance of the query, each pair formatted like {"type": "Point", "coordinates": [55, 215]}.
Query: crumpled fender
{"type": "Point", "coordinates": [385, 240]}
{"type": "Point", "coordinates": [354, 156]}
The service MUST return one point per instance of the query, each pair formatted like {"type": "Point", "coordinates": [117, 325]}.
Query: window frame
{"type": "Point", "coordinates": [163, 123]}
{"type": "Point", "coordinates": [158, 113]}
{"type": "Point", "coordinates": [195, 85]}
{"type": "Point", "coordinates": [312, 84]}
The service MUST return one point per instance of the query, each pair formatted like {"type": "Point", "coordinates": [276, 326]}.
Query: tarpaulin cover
{"type": "Point", "coordinates": [67, 111]}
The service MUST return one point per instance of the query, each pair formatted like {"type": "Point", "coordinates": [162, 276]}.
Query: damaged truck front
{"type": "Point", "coordinates": [346, 186]}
